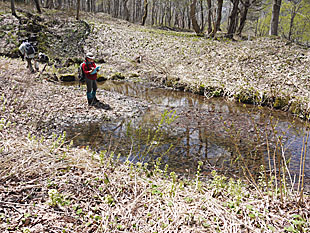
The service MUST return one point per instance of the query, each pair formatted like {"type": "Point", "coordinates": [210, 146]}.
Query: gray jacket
{"type": "Point", "coordinates": [22, 49]}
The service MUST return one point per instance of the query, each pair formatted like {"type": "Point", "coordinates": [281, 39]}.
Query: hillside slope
{"type": "Point", "coordinates": [264, 71]}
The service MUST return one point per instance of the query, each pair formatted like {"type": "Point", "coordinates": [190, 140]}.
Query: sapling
{"type": "Point", "coordinates": [101, 156]}
{"type": "Point", "coordinates": [173, 185]}
{"type": "Point", "coordinates": [198, 182]}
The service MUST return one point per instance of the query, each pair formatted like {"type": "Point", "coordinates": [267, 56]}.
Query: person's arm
{"type": "Point", "coordinates": [22, 51]}
{"type": "Point", "coordinates": [91, 69]}
{"type": "Point", "coordinates": [84, 68]}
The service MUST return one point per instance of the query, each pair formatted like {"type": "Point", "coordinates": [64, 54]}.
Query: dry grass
{"type": "Point", "coordinates": [48, 186]}
{"type": "Point", "coordinates": [98, 195]}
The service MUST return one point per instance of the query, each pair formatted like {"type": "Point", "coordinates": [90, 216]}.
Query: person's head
{"type": "Point", "coordinates": [90, 57]}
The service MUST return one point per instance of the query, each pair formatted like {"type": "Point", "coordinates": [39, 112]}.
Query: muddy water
{"type": "Point", "coordinates": [223, 135]}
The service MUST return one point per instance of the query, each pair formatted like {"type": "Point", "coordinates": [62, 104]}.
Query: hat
{"type": "Point", "coordinates": [90, 55]}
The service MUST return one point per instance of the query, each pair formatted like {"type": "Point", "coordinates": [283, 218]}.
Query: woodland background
{"type": "Point", "coordinates": [287, 18]}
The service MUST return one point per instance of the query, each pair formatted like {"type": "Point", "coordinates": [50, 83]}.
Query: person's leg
{"type": "Point", "coordinates": [89, 85]}
{"type": "Point", "coordinates": [36, 65]}
{"type": "Point", "coordinates": [29, 65]}
{"type": "Point", "coordinates": [94, 90]}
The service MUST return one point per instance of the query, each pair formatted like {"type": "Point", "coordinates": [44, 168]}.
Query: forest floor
{"type": "Point", "coordinates": [46, 185]}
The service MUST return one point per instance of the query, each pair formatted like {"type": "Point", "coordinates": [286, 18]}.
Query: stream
{"type": "Point", "coordinates": [183, 128]}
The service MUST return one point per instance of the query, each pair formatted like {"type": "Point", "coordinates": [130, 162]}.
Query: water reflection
{"type": "Point", "coordinates": [226, 136]}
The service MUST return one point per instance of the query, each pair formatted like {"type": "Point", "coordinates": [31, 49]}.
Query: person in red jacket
{"type": "Point", "coordinates": [90, 71]}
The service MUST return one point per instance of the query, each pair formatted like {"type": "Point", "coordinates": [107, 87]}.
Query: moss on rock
{"type": "Point", "coordinates": [281, 102]}
{"type": "Point", "coordinates": [67, 77]}
{"type": "Point", "coordinates": [117, 76]}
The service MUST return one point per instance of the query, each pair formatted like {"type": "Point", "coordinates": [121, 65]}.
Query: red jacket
{"type": "Point", "coordinates": [87, 68]}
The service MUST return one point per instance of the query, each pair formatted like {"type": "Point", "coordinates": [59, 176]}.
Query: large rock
{"type": "Point", "coordinates": [67, 78]}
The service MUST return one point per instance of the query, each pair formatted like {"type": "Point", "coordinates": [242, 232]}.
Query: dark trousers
{"type": "Point", "coordinates": [29, 64]}
{"type": "Point", "coordinates": [91, 88]}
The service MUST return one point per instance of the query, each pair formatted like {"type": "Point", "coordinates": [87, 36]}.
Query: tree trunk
{"type": "Point", "coordinates": [13, 8]}
{"type": "Point", "coordinates": [109, 6]}
{"type": "Point", "coordinates": [145, 12]}
{"type": "Point", "coordinates": [246, 6]}
{"type": "Point", "coordinates": [116, 7]}
{"type": "Point", "coordinates": [133, 11]}
{"type": "Point", "coordinates": [189, 21]}
{"type": "Point", "coordinates": [176, 19]}
{"type": "Point", "coordinates": [102, 6]}
{"type": "Point", "coordinates": [291, 24]}
{"type": "Point", "coordinates": [153, 17]}
{"type": "Point", "coordinates": [36, 2]}
{"type": "Point", "coordinates": [183, 17]}
{"type": "Point", "coordinates": [233, 20]}
{"type": "Point", "coordinates": [49, 4]}
{"type": "Point", "coordinates": [209, 16]}
{"type": "Point", "coordinates": [219, 15]}
{"type": "Point", "coordinates": [201, 14]}
{"type": "Point", "coordinates": [59, 5]}
{"type": "Point", "coordinates": [126, 11]}
{"type": "Point", "coordinates": [78, 10]}
{"type": "Point", "coordinates": [294, 12]}
{"type": "Point", "coordinates": [193, 18]}
{"type": "Point", "coordinates": [169, 15]}
{"type": "Point", "coordinates": [274, 23]}
{"type": "Point", "coordinates": [138, 9]}
{"type": "Point", "coordinates": [88, 5]}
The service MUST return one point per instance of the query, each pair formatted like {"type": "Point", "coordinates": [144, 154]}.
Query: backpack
{"type": "Point", "coordinates": [29, 48]}
{"type": "Point", "coordinates": [81, 73]}
{"type": "Point", "coordinates": [43, 58]}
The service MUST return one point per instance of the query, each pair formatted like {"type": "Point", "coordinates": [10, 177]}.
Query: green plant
{"type": "Point", "coordinates": [109, 200]}
{"type": "Point", "coordinates": [26, 230]}
{"type": "Point", "coordinates": [155, 190]}
{"type": "Point", "coordinates": [218, 183]}
{"type": "Point", "coordinates": [298, 224]}
{"type": "Point", "coordinates": [57, 141]}
{"type": "Point", "coordinates": [56, 198]}
{"type": "Point", "coordinates": [198, 182]}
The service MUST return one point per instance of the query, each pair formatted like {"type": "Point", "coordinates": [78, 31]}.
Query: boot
{"type": "Point", "coordinates": [94, 97]}
{"type": "Point", "coordinates": [91, 102]}
{"type": "Point", "coordinates": [90, 99]}
{"type": "Point", "coordinates": [96, 100]}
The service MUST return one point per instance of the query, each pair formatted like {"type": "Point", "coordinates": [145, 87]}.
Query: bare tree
{"type": "Point", "coordinates": [59, 5]}
{"type": "Point", "coordinates": [297, 5]}
{"type": "Point", "coordinates": [274, 23]}
{"type": "Point", "coordinates": [37, 6]}
{"type": "Point", "coordinates": [246, 5]}
{"type": "Point", "coordinates": [49, 4]}
{"type": "Point", "coordinates": [13, 8]}
{"type": "Point", "coordinates": [209, 16]}
{"type": "Point", "coordinates": [196, 27]}
{"type": "Point", "coordinates": [218, 16]}
{"type": "Point", "coordinates": [126, 11]}
{"type": "Point", "coordinates": [201, 13]}
{"type": "Point", "coordinates": [78, 10]}
{"type": "Point", "coordinates": [232, 24]}
{"type": "Point", "coordinates": [145, 12]}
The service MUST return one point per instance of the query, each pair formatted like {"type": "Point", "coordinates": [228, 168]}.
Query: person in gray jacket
{"type": "Point", "coordinates": [28, 52]}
